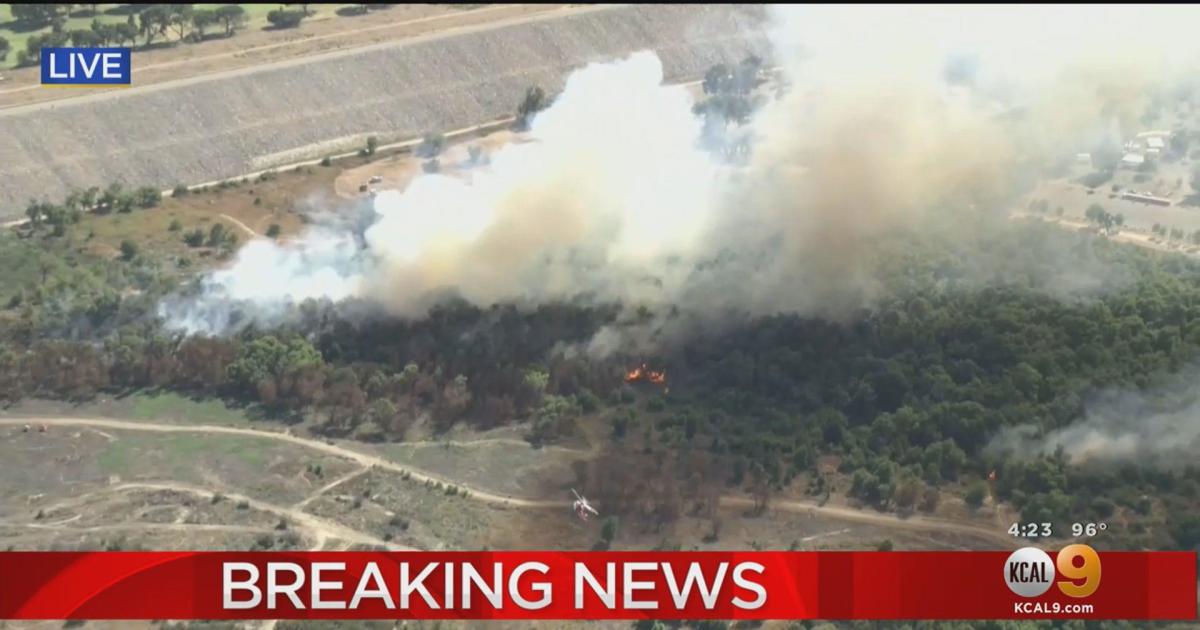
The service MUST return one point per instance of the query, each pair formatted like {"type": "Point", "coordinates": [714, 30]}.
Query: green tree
{"type": "Point", "coordinates": [285, 18]}
{"type": "Point", "coordinates": [273, 230]}
{"type": "Point", "coordinates": [34, 211]}
{"type": "Point", "coordinates": [717, 79]}
{"type": "Point", "coordinates": [533, 102]}
{"type": "Point", "coordinates": [976, 493]}
{"type": "Point", "coordinates": [129, 250]}
{"type": "Point", "coordinates": [86, 38]}
{"type": "Point", "coordinates": [148, 197]}
{"type": "Point", "coordinates": [34, 14]}
{"type": "Point", "coordinates": [431, 145]}
{"type": "Point", "coordinates": [218, 235]}
{"type": "Point", "coordinates": [267, 358]}
{"type": "Point", "coordinates": [202, 19]}
{"type": "Point", "coordinates": [608, 531]}
{"type": "Point", "coordinates": [154, 21]}
{"type": "Point", "coordinates": [194, 238]}
{"type": "Point", "coordinates": [232, 17]}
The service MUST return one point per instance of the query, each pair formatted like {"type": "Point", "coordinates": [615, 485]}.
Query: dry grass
{"type": "Point", "coordinates": [282, 200]}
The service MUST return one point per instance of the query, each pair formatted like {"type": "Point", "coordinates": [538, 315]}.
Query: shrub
{"type": "Point", "coordinates": [148, 196]}
{"type": "Point", "coordinates": [326, 161]}
{"type": "Point", "coordinates": [431, 145]}
{"type": "Point", "coordinates": [976, 494]}
{"type": "Point", "coordinates": [273, 230]}
{"type": "Point", "coordinates": [179, 190]}
{"type": "Point", "coordinates": [129, 250]}
{"type": "Point", "coordinates": [194, 238]}
{"type": "Point", "coordinates": [285, 18]}
{"type": "Point", "coordinates": [369, 431]}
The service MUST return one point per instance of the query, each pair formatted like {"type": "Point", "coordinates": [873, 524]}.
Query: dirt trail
{"type": "Point", "coordinates": [176, 527]}
{"type": "Point", "coordinates": [360, 457]}
{"type": "Point", "coordinates": [320, 528]}
{"type": "Point", "coordinates": [920, 523]}
{"type": "Point", "coordinates": [320, 492]}
{"type": "Point", "coordinates": [245, 228]}
{"type": "Point", "coordinates": [915, 522]}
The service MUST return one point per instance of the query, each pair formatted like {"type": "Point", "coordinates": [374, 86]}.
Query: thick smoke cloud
{"type": "Point", "coordinates": [1160, 427]}
{"type": "Point", "coordinates": [614, 199]}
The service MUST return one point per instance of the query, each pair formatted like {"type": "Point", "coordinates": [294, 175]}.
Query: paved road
{"type": "Point", "coordinates": [919, 523]}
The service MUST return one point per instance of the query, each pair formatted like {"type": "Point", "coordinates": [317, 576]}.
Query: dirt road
{"type": "Point", "coordinates": [320, 529]}
{"type": "Point", "coordinates": [920, 523]}
{"type": "Point", "coordinates": [1127, 235]}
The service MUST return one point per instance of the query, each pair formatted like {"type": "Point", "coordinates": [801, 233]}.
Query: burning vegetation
{"type": "Point", "coordinates": [643, 374]}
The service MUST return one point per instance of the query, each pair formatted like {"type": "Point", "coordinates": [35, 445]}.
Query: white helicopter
{"type": "Point", "coordinates": [582, 507]}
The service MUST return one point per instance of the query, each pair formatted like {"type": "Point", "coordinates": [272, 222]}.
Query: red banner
{"type": "Point", "coordinates": [1077, 583]}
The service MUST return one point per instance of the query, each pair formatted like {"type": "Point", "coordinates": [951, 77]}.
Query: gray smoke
{"type": "Point", "coordinates": [614, 198]}
{"type": "Point", "coordinates": [1158, 427]}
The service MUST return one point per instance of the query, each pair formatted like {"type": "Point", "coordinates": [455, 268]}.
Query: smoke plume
{"type": "Point", "coordinates": [883, 119]}
{"type": "Point", "coordinates": [1160, 426]}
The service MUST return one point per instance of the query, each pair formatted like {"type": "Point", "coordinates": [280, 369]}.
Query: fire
{"type": "Point", "coordinates": [643, 373]}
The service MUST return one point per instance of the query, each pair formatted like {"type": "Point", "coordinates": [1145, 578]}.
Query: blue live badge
{"type": "Point", "coordinates": [85, 66]}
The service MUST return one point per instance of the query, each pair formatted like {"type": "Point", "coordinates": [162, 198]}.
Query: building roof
{"type": "Point", "coordinates": [1155, 142]}
{"type": "Point", "coordinates": [1133, 158]}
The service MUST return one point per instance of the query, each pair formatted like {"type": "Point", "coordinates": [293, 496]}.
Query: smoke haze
{"type": "Point", "coordinates": [1157, 427]}
{"type": "Point", "coordinates": [930, 118]}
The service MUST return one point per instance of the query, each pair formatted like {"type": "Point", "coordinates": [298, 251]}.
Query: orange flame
{"type": "Point", "coordinates": [643, 373]}
{"type": "Point", "coordinates": [634, 375]}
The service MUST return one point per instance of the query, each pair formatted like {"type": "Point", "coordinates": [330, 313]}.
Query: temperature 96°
{"type": "Point", "coordinates": [1087, 529]}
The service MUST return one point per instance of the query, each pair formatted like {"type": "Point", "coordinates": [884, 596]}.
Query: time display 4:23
{"type": "Point", "coordinates": [1031, 530]}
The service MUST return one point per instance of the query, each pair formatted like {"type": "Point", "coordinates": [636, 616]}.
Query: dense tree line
{"type": "Point", "coordinates": [149, 22]}
{"type": "Point", "coordinates": [904, 396]}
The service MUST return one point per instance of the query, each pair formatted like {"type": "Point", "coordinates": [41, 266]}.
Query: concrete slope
{"type": "Point", "coordinates": [223, 125]}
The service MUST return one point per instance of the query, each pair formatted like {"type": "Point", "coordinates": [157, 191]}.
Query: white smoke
{"type": "Point", "coordinates": [614, 200]}
{"type": "Point", "coordinates": [582, 208]}
{"type": "Point", "coordinates": [1160, 426]}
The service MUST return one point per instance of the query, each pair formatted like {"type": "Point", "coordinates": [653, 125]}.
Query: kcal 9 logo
{"type": "Point", "coordinates": [1029, 572]}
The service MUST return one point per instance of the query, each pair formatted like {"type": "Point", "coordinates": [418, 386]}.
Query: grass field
{"type": "Point", "coordinates": [167, 406]}
{"type": "Point", "coordinates": [176, 455]}
{"type": "Point", "coordinates": [256, 204]}
{"type": "Point", "coordinates": [81, 18]}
